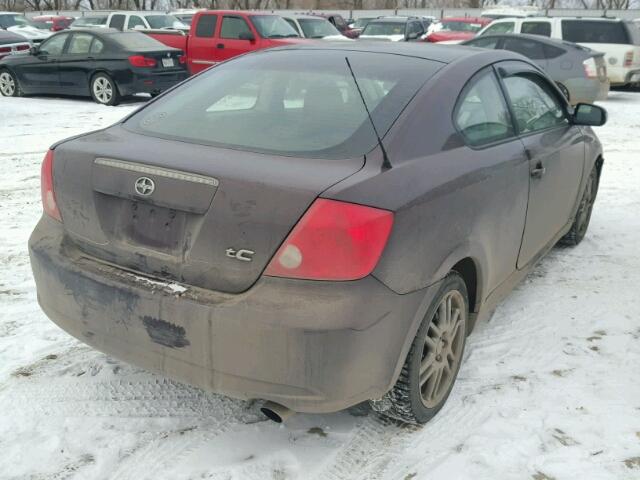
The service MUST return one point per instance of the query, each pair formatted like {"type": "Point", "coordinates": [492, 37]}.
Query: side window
{"type": "Point", "coordinates": [491, 42]}
{"type": "Point", "coordinates": [206, 26]}
{"type": "Point", "coordinates": [117, 22]}
{"type": "Point", "coordinates": [534, 106]}
{"type": "Point", "coordinates": [135, 21]}
{"type": "Point", "coordinates": [503, 27]}
{"type": "Point", "coordinates": [481, 114]}
{"type": "Point", "coordinates": [528, 48]}
{"type": "Point", "coordinates": [553, 52]}
{"type": "Point", "coordinates": [80, 44]}
{"type": "Point", "coordinates": [415, 27]}
{"type": "Point", "coordinates": [55, 45]}
{"type": "Point", "coordinates": [293, 25]}
{"type": "Point", "coordinates": [536, 28]}
{"type": "Point", "coordinates": [97, 46]}
{"type": "Point", "coordinates": [233, 27]}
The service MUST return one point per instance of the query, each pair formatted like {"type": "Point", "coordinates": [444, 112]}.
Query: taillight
{"type": "Point", "coordinates": [333, 241]}
{"type": "Point", "coordinates": [182, 59]}
{"type": "Point", "coordinates": [46, 188]}
{"type": "Point", "coordinates": [628, 58]}
{"type": "Point", "coordinates": [142, 61]}
{"type": "Point", "coordinates": [22, 48]}
{"type": "Point", "coordinates": [590, 68]}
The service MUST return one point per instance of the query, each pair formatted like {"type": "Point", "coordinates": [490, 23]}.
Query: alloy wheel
{"type": "Point", "coordinates": [103, 89]}
{"type": "Point", "coordinates": [7, 84]}
{"type": "Point", "coordinates": [442, 350]}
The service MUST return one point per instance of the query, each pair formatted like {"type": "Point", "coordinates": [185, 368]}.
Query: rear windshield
{"type": "Point", "coordinates": [317, 28]}
{"type": "Point", "coordinates": [454, 26]}
{"type": "Point", "coordinates": [593, 31]}
{"type": "Point", "coordinates": [90, 21]}
{"type": "Point", "coordinates": [384, 28]}
{"type": "Point", "coordinates": [137, 41]}
{"type": "Point", "coordinates": [295, 103]}
{"type": "Point", "coordinates": [272, 26]}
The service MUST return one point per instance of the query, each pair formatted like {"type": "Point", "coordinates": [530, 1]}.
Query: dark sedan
{"type": "Point", "coordinates": [316, 226]}
{"type": "Point", "coordinates": [106, 65]}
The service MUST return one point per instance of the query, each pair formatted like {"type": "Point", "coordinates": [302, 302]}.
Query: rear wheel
{"type": "Point", "coordinates": [104, 90]}
{"type": "Point", "coordinates": [434, 359]}
{"type": "Point", "coordinates": [9, 86]}
{"type": "Point", "coordinates": [583, 215]}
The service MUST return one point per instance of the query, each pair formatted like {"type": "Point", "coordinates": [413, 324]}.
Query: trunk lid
{"type": "Point", "coordinates": [195, 209]}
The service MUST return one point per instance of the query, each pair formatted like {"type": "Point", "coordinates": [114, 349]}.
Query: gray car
{"type": "Point", "coordinates": [579, 72]}
{"type": "Point", "coordinates": [257, 231]}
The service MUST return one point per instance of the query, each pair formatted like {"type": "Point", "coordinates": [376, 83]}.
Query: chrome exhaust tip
{"type": "Point", "coordinates": [276, 412]}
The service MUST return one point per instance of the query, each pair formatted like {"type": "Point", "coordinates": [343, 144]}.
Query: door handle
{"type": "Point", "coordinates": [538, 171]}
{"type": "Point", "coordinates": [220, 45]}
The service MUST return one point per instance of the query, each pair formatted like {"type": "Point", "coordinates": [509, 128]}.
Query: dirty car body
{"type": "Point", "coordinates": [167, 238]}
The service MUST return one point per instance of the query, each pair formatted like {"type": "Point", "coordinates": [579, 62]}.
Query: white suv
{"type": "Point", "coordinates": [619, 40]}
{"type": "Point", "coordinates": [144, 21]}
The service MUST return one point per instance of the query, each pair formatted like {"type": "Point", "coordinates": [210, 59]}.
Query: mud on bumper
{"type": "Point", "coordinates": [311, 346]}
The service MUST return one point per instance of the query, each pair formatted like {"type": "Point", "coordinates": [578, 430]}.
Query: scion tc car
{"type": "Point", "coordinates": [315, 226]}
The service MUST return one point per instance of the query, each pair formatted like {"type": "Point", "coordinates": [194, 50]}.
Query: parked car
{"type": "Point", "coordinates": [579, 72]}
{"type": "Point", "coordinates": [18, 23]}
{"type": "Point", "coordinates": [455, 29]}
{"type": "Point", "coordinates": [89, 21]}
{"type": "Point", "coordinates": [12, 44]}
{"type": "Point", "coordinates": [339, 22]}
{"type": "Point", "coordinates": [312, 26]}
{"type": "Point", "coordinates": [104, 64]}
{"type": "Point", "coordinates": [144, 21]}
{"type": "Point", "coordinates": [358, 25]}
{"type": "Point", "coordinates": [394, 29]}
{"type": "Point", "coordinates": [618, 39]}
{"type": "Point", "coordinates": [522, 11]}
{"type": "Point", "coordinates": [249, 233]}
{"type": "Point", "coordinates": [55, 23]}
{"type": "Point", "coordinates": [218, 35]}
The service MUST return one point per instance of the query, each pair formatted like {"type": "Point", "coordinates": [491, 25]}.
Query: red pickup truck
{"type": "Point", "coordinates": [217, 35]}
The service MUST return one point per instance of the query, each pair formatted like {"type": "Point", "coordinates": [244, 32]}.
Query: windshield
{"type": "Point", "coordinates": [361, 22]}
{"type": "Point", "coordinates": [90, 21]}
{"type": "Point", "coordinates": [294, 102]}
{"type": "Point", "coordinates": [135, 41]}
{"type": "Point", "coordinates": [43, 25]}
{"type": "Point", "coordinates": [7, 21]}
{"type": "Point", "coordinates": [272, 26]}
{"type": "Point", "coordinates": [164, 21]}
{"type": "Point", "coordinates": [594, 31]}
{"type": "Point", "coordinates": [384, 28]}
{"type": "Point", "coordinates": [461, 27]}
{"type": "Point", "coordinates": [317, 28]}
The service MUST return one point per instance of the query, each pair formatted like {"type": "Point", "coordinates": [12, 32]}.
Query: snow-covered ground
{"type": "Point", "coordinates": [550, 388]}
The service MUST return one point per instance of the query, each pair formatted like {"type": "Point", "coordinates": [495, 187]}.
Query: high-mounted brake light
{"type": "Point", "coordinates": [46, 188]}
{"type": "Point", "coordinates": [142, 61]}
{"type": "Point", "coordinates": [333, 241]}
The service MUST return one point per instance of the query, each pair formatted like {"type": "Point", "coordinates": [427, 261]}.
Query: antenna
{"type": "Point", "coordinates": [386, 165]}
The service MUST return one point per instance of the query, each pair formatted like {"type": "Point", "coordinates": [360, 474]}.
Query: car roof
{"type": "Point", "coordinates": [554, 42]}
{"type": "Point", "coordinates": [466, 19]}
{"type": "Point", "coordinates": [302, 15]}
{"type": "Point", "coordinates": [394, 19]}
{"type": "Point", "coordinates": [543, 18]}
{"type": "Point", "coordinates": [426, 51]}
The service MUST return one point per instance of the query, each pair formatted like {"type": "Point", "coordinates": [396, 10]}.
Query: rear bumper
{"type": "Point", "coordinates": [584, 90]}
{"type": "Point", "coordinates": [153, 82]}
{"type": "Point", "coordinates": [311, 346]}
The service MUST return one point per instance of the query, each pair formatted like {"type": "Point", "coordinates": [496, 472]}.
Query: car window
{"type": "Point", "coordinates": [536, 28]}
{"type": "Point", "coordinates": [504, 27]}
{"type": "Point", "coordinates": [481, 114]}
{"type": "Point", "coordinates": [317, 27]}
{"type": "Point", "coordinates": [293, 24]}
{"type": "Point", "coordinates": [490, 42]}
{"type": "Point", "coordinates": [135, 21]}
{"type": "Point", "coordinates": [595, 31]}
{"type": "Point", "coordinates": [97, 46]}
{"type": "Point", "coordinates": [281, 103]}
{"type": "Point", "coordinates": [233, 27]}
{"type": "Point", "coordinates": [117, 22]}
{"type": "Point", "coordinates": [79, 44]}
{"type": "Point", "coordinates": [384, 28]}
{"type": "Point", "coordinates": [206, 26]}
{"type": "Point", "coordinates": [54, 45]}
{"type": "Point", "coordinates": [529, 48]}
{"type": "Point", "coordinates": [553, 52]}
{"type": "Point", "coordinates": [415, 27]}
{"type": "Point", "coordinates": [534, 106]}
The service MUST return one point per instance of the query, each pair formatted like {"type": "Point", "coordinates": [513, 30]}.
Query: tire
{"type": "Point", "coordinates": [583, 215]}
{"type": "Point", "coordinates": [104, 90]}
{"type": "Point", "coordinates": [565, 91]}
{"type": "Point", "coordinates": [438, 347]}
{"type": "Point", "coordinates": [9, 86]}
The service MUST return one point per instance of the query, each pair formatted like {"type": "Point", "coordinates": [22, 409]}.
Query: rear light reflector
{"type": "Point", "coordinates": [142, 61]}
{"type": "Point", "coordinates": [590, 69]}
{"type": "Point", "coordinates": [46, 188]}
{"type": "Point", "coordinates": [333, 241]}
{"type": "Point", "coordinates": [628, 59]}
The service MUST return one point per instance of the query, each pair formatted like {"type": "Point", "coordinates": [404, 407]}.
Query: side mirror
{"type": "Point", "coordinates": [590, 115]}
{"type": "Point", "coordinates": [246, 36]}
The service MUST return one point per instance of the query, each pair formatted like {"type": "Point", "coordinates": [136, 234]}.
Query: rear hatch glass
{"type": "Point", "coordinates": [595, 31]}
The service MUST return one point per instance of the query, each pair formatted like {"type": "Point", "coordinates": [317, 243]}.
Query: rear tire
{"type": "Point", "coordinates": [583, 215]}
{"type": "Point", "coordinates": [104, 90]}
{"type": "Point", "coordinates": [9, 86]}
{"type": "Point", "coordinates": [432, 364]}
